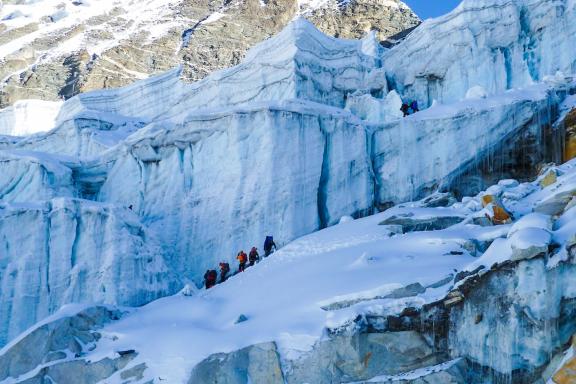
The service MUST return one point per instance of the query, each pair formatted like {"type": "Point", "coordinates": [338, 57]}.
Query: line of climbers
{"type": "Point", "coordinates": [211, 276]}
{"type": "Point", "coordinates": [407, 107]}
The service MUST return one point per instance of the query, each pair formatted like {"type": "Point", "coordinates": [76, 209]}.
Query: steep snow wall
{"type": "Point", "coordinates": [64, 251]}
{"type": "Point", "coordinates": [495, 44]}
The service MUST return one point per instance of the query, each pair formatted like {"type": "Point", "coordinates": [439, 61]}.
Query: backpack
{"type": "Point", "coordinates": [268, 243]}
{"type": "Point", "coordinates": [225, 267]}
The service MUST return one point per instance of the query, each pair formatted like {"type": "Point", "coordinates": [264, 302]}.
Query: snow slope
{"type": "Point", "coordinates": [326, 279]}
{"type": "Point", "coordinates": [283, 295]}
{"type": "Point", "coordinates": [55, 15]}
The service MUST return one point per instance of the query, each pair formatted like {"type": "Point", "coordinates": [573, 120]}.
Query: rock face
{"type": "Point", "coordinates": [75, 47]}
{"type": "Point", "coordinates": [342, 359]}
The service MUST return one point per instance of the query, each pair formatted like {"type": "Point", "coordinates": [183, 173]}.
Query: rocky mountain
{"type": "Point", "coordinates": [52, 49]}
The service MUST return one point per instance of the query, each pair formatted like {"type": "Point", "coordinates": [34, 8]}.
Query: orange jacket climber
{"type": "Point", "coordinates": [242, 259]}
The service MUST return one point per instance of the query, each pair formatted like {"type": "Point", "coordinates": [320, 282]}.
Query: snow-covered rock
{"type": "Point", "coordinates": [527, 243]}
{"type": "Point", "coordinates": [476, 92]}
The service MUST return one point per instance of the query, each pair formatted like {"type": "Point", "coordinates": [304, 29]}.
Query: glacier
{"type": "Point", "coordinates": [135, 192]}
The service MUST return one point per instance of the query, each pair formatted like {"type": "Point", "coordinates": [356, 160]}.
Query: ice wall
{"type": "Point", "coordinates": [220, 183]}
{"type": "Point", "coordinates": [422, 153]}
{"type": "Point", "coordinates": [495, 44]}
{"type": "Point", "coordinates": [65, 250]}
{"type": "Point", "coordinates": [26, 117]}
{"type": "Point", "coordinates": [33, 176]}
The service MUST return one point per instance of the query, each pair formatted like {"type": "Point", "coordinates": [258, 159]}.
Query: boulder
{"type": "Point", "coordinates": [555, 204]}
{"type": "Point", "coordinates": [532, 220]}
{"type": "Point", "coordinates": [499, 214]}
{"type": "Point", "coordinates": [51, 342]}
{"type": "Point", "coordinates": [528, 243]}
{"type": "Point", "coordinates": [439, 199]}
{"type": "Point", "coordinates": [550, 178]}
{"type": "Point", "coordinates": [567, 373]}
{"type": "Point", "coordinates": [257, 364]}
{"type": "Point", "coordinates": [570, 142]}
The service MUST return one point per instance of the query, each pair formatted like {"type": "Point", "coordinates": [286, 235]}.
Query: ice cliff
{"type": "Point", "coordinates": [138, 190]}
{"type": "Point", "coordinates": [495, 44]}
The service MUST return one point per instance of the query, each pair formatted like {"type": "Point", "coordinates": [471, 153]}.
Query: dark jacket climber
{"type": "Point", "coordinates": [224, 270]}
{"type": "Point", "coordinates": [268, 245]}
{"type": "Point", "coordinates": [242, 259]}
{"type": "Point", "coordinates": [414, 106]}
{"type": "Point", "coordinates": [404, 109]}
{"type": "Point", "coordinates": [210, 278]}
{"type": "Point", "coordinates": [253, 256]}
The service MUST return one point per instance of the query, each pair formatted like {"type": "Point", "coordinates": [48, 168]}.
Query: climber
{"type": "Point", "coordinates": [268, 244]}
{"type": "Point", "coordinates": [404, 109]}
{"type": "Point", "coordinates": [210, 278]}
{"type": "Point", "coordinates": [414, 106]}
{"type": "Point", "coordinates": [224, 270]}
{"type": "Point", "coordinates": [131, 207]}
{"type": "Point", "coordinates": [242, 258]}
{"type": "Point", "coordinates": [253, 256]}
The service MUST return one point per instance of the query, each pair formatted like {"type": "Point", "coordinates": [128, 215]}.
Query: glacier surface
{"type": "Point", "coordinates": [138, 190]}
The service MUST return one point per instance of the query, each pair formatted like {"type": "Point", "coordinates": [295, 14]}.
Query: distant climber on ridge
{"type": "Point", "coordinates": [242, 259]}
{"type": "Point", "coordinates": [405, 107]}
{"type": "Point", "coordinates": [268, 245]}
{"type": "Point", "coordinates": [210, 278]}
{"type": "Point", "coordinates": [224, 270]}
{"type": "Point", "coordinates": [414, 106]}
{"type": "Point", "coordinates": [253, 256]}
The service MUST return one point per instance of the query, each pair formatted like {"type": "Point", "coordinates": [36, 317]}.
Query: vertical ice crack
{"type": "Point", "coordinates": [323, 214]}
